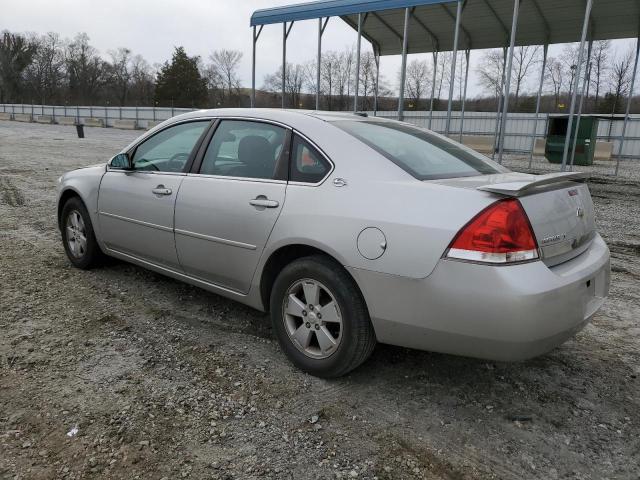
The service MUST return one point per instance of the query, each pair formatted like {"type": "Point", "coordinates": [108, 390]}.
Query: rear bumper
{"type": "Point", "coordinates": [493, 312]}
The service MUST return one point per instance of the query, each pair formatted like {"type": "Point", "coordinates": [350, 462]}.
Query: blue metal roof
{"type": "Point", "coordinates": [331, 8]}
{"type": "Point", "coordinates": [485, 23]}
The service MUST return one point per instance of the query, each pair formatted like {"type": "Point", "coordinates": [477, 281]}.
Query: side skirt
{"type": "Point", "coordinates": [246, 299]}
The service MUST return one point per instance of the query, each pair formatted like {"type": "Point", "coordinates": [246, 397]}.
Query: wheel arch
{"type": "Point", "coordinates": [283, 256]}
{"type": "Point", "coordinates": [65, 196]}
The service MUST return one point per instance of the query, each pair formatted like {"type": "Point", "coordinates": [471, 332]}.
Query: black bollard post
{"type": "Point", "coordinates": [80, 130]}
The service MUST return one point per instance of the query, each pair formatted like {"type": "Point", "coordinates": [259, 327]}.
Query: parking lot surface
{"type": "Point", "coordinates": [123, 373]}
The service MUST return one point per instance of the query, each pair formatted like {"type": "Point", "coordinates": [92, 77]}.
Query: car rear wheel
{"type": "Point", "coordinates": [77, 235]}
{"type": "Point", "coordinates": [320, 318]}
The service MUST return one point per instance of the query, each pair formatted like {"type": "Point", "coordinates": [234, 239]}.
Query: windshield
{"type": "Point", "coordinates": [423, 154]}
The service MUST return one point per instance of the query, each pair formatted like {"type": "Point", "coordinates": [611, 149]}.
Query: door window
{"type": "Point", "coordinates": [307, 165]}
{"type": "Point", "coordinates": [241, 148]}
{"type": "Point", "coordinates": [169, 150]}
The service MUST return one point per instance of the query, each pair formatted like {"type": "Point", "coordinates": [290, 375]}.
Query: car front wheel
{"type": "Point", "coordinates": [320, 318]}
{"type": "Point", "coordinates": [77, 235]}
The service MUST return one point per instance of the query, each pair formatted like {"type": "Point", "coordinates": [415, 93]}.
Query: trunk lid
{"type": "Point", "coordinates": [559, 207]}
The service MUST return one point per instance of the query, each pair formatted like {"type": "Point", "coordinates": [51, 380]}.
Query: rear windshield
{"type": "Point", "coordinates": [424, 155]}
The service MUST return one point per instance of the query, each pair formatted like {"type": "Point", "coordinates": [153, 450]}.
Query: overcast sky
{"type": "Point", "coordinates": [153, 27]}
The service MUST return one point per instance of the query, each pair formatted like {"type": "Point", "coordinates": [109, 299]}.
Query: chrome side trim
{"type": "Point", "coordinates": [210, 238]}
{"type": "Point", "coordinates": [174, 273]}
{"type": "Point", "coordinates": [137, 222]}
{"type": "Point", "coordinates": [237, 179]}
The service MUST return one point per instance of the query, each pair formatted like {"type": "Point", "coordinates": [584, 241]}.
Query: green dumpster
{"type": "Point", "coordinates": [585, 145]}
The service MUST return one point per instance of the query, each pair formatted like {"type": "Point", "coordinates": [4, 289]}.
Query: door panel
{"type": "Point", "coordinates": [136, 206]}
{"type": "Point", "coordinates": [137, 221]}
{"type": "Point", "coordinates": [219, 234]}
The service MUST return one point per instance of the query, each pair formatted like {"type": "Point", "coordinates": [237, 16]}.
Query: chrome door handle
{"type": "Point", "coordinates": [263, 201]}
{"type": "Point", "coordinates": [161, 190]}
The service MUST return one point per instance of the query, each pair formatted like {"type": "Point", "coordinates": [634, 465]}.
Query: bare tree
{"type": "Point", "coordinates": [120, 73]}
{"type": "Point", "coordinates": [523, 59]}
{"type": "Point", "coordinates": [328, 74]}
{"type": "Point", "coordinates": [417, 80]}
{"type": "Point", "coordinates": [444, 71]}
{"type": "Point", "coordinates": [367, 80]}
{"type": "Point", "coordinates": [344, 77]}
{"type": "Point", "coordinates": [85, 69]}
{"type": "Point", "coordinates": [16, 53]}
{"type": "Point", "coordinates": [226, 63]}
{"type": "Point", "coordinates": [142, 78]}
{"type": "Point", "coordinates": [569, 61]}
{"type": "Point", "coordinates": [490, 72]}
{"type": "Point", "coordinates": [555, 73]}
{"type": "Point", "coordinates": [599, 61]}
{"type": "Point", "coordinates": [294, 82]}
{"type": "Point", "coordinates": [45, 74]}
{"type": "Point", "coordinates": [620, 80]}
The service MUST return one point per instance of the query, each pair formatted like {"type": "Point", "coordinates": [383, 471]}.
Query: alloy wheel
{"type": "Point", "coordinates": [312, 318]}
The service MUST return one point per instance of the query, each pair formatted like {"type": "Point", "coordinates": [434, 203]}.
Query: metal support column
{"type": "Point", "coordinates": [453, 66]}
{"type": "Point", "coordinates": [403, 69]}
{"type": "Point", "coordinates": [500, 98]}
{"type": "Point", "coordinates": [545, 51]}
{"type": "Point", "coordinates": [585, 82]}
{"type": "Point", "coordinates": [464, 95]}
{"type": "Point", "coordinates": [319, 62]}
{"type": "Point", "coordinates": [507, 84]}
{"type": "Point", "coordinates": [256, 35]}
{"type": "Point", "coordinates": [357, 81]}
{"type": "Point", "coordinates": [285, 35]}
{"type": "Point", "coordinates": [284, 59]}
{"type": "Point", "coordinates": [626, 114]}
{"type": "Point", "coordinates": [433, 86]}
{"type": "Point", "coordinates": [585, 27]}
{"type": "Point", "coordinates": [376, 58]}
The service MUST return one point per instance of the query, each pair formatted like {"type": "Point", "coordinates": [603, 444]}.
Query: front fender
{"type": "Point", "coordinates": [85, 183]}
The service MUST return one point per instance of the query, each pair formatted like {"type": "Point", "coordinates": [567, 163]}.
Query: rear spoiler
{"type": "Point", "coordinates": [518, 189]}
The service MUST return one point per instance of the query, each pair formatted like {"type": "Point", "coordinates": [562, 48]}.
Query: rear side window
{"type": "Point", "coordinates": [307, 165]}
{"type": "Point", "coordinates": [421, 153]}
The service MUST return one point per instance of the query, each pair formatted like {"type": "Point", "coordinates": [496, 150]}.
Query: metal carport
{"type": "Point", "coordinates": [422, 26]}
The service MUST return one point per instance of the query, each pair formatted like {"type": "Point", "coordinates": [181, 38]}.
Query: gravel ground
{"type": "Point", "coordinates": [122, 373]}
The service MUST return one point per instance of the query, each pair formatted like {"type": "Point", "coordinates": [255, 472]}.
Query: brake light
{"type": "Point", "coordinates": [501, 233]}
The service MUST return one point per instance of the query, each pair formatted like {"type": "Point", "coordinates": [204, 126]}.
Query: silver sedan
{"type": "Point", "coordinates": [349, 230]}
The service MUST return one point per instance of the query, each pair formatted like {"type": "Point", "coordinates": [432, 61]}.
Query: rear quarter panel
{"type": "Point", "coordinates": [418, 219]}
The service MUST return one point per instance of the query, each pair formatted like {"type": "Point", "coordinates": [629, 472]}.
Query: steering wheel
{"type": "Point", "coordinates": [146, 165]}
{"type": "Point", "coordinates": [177, 161]}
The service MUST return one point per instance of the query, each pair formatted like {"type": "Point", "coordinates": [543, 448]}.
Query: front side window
{"type": "Point", "coordinates": [423, 154]}
{"type": "Point", "coordinates": [241, 148]}
{"type": "Point", "coordinates": [169, 150]}
{"type": "Point", "coordinates": [307, 165]}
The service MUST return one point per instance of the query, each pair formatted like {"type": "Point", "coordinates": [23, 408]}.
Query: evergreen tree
{"type": "Point", "coordinates": [179, 82]}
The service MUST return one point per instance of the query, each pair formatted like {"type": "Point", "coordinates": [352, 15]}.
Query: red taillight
{"type": "Point", "coordinates": [501, 233]}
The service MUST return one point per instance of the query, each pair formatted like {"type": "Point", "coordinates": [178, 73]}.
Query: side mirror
{"type": "Point", "coordinates": [121, 162]}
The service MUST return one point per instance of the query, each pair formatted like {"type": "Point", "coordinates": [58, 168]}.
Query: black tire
{"type": "Point", "coordinates": [358, 337]}
{"type": "Point", "coordinates": [90, 256]}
